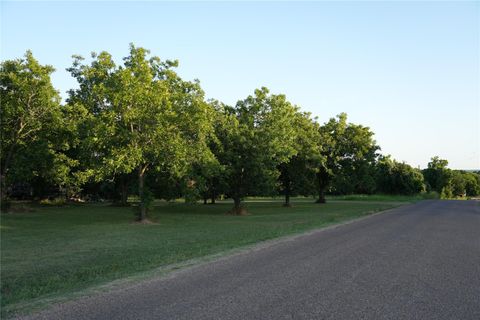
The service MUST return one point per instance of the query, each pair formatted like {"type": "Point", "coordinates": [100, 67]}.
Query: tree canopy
{"type": "Point", "coordinates": [137, 127]}
{"type": "Point", "coordinates": [33, 130]}
{"type": "Point", "coordinates": [141, 116]}
{"type": "Point", "coordinates": [256, 136]}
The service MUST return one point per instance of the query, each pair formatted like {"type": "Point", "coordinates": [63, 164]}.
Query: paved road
{"type": "Point", "coordinates": [419, 261]}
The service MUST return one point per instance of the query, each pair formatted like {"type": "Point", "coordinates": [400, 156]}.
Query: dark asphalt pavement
{"type": "Point", "coordinates": [418, 261]}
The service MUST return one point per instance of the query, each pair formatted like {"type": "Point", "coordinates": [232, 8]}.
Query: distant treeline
{"type": "Point", "coordinates": [139, 129]}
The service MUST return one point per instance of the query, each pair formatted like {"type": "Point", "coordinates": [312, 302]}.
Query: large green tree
{"type": "Point", "coordinates": [141, 117]}
{"type": "Point", "coordinates": [350, 153]}
{"type": "Point", "coordinates": [297, 174]}
{"type": "Point", "coordinates": [34, 129]}
{"type": "Point", "coordinates": [256, 136]}
{"type": "Point", "coordinates": [437, 175]}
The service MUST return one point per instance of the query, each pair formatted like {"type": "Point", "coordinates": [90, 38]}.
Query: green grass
{"type": "Point", "coordinates": [351, 197]}
{"type": "Point", "coordinates": [56, 251]}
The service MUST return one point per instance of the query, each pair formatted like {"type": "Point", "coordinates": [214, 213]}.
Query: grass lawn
{"type": "Point", "coordinates": [56, 251]}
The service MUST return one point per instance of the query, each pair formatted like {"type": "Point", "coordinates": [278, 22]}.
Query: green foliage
{"type": "Point", "coordinates": [464, 183]}
{"type": "Point", "coordinates": [297, 175]}
{"type": "Point", "coordinates": [192, 190]}
{"type": "Point", "coordinates": [357, 151]}
{"type": "Point", "coordinates": [206, 176]}
{"type": "Point", "coordinates": [34, 129]}
{"type": "Point", "coordinates": [458, 183]}
{"type": "Point", "coordinates": [350, 152]}
{"type": "Point", "coordinates": [472, 183]}
{"type": "Point", "coordinates": [398, 177]}
{"type": "Point", "coordinates": [140, 116]}
{"type": "Point", "coordinates": [447, 192]}
{"type": "Point", "coordinates": [437, 175]}
{"type": "Point", "coordinates": [139, 128]}
{"type": "Point", "coordinates": [53, 202]}
{"type": "Point", "coordinates": [204, 181]}
{"type": "Point", "coordinates": [451, 183]}
{"type": "Point", "coordinates": [255, 137]}
{"type": "Point", "coordinates": [165, 185]}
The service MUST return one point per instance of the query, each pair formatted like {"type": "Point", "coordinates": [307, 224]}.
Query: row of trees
{"type": "Point", "coordinates": [140, 123]}
{"type": "Point", "coordinates": [450, 183]}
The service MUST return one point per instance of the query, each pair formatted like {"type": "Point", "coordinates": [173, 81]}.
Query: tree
{"type": "Point", "coordinates": [33, 129]}
{"type": "Point", "coordinates": [458, 183]}
{"type": "Point", "coordinates": [358, 155]}
{"type": "Point", "coordinates": [394, 177]}
{"type": "Point", "coordinates": [256, 136]}
{"type": "Point", "coordinates": [141, 116]}
{"type": "Point", "coordinates": [297, 175]}
{"type": "Point", "coordinates": [350, 152]}
{"type": "Point", "coordinates": [206, 178]}
{"type": "Point", "coordinates": [437, 175]}
{"type": "Point", "coordinates": [472, 183]}
{"type": "Point", "coordinates": [329, 141]}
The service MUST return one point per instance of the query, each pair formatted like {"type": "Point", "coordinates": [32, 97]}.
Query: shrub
{"type": "Point", "coordinates": [53, 202]}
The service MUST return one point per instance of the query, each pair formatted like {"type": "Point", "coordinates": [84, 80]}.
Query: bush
{"type": "Point", "coordinates": [447, 192]}
{"type": "Point", "coordinates": [53, 202]}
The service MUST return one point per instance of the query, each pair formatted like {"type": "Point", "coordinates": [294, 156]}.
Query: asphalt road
{"type": "Point", "coordinates": [418, 261]}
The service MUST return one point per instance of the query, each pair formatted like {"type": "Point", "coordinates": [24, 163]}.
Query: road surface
{"type": "Point", "coordinates": [419, 261]}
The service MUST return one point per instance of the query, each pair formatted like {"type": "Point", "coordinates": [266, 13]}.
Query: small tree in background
{"type": "Point", "coordinates": [472, 183]}
{"type": "Point", "coordinates": [437, 176]}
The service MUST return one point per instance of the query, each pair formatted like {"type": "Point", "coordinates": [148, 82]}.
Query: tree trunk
{"type": "Point", "coordinates": [285, 183]}
{"type": "Point", "coordinates": [213, 195]}
{"type": "Point", "coordinates": [141, 184]}
{"type": "Point", "coordinates": [322, 186]}
{"type": "Point", "coordinates": [3, 183]}
{"type": "Point", "coordinates": [237, 195]}
{"type": "Point", "coordinates": [123, 191]}
{"type": "Point", "coordinates": [205, 199]}
{"type": "Point", "coordinates": [287, 200]}
{"type": "Point", "coordinates": [321, 195]}
{"type": "Point", "coordinates": [237, 208]}
{"type": "Point", "coordinates": [4, 206]}
{"type": "Point", "coordinates": [287, 196]}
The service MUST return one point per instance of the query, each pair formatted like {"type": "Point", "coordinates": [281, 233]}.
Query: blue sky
{"type": "Point", "coordinates": [408, 70]}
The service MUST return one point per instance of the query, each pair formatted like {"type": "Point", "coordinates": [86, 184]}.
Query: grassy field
{"type": "Point", "coordinates": [56, 251]}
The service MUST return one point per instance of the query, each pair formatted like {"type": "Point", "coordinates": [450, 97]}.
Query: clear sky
{"type": "Point", "coordinates": [408, 70]}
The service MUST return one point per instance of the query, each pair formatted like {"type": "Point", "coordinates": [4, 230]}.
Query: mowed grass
{"type": "Point", "coordinates": [56, 251]}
